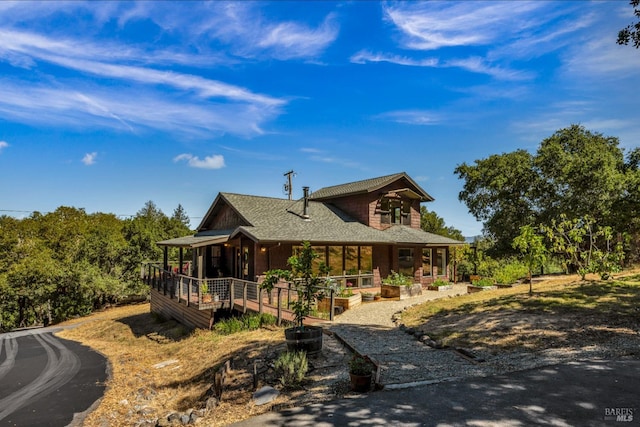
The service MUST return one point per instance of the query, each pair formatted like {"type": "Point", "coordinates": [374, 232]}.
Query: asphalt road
{"type": "Point", "coordinates": [46, 380]}
{"type": "Point", "coordinates": [586, 393]}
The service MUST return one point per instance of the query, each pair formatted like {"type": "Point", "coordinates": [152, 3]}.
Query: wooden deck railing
{"type": "Point", "coordinates": [225, 292]}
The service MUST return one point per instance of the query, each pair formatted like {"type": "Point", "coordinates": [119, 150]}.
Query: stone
{"type": "Point", "coordinates": [211, 405]}
{"type": "Point", "coordinates": [265, 395]}
{"type": "Point", "coordinates": [184, 419]}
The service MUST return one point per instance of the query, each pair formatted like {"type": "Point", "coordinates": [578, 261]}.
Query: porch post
{"type": "Point", "coordinates": [181, 260]}
{"type": "Point", "coordinates": [200, 263]}
{"type": "Point", "coordinates": [165, 260]}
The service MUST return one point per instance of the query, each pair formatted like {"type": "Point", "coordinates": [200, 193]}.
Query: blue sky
{"type": "Point", "coordinates": [105, 105]}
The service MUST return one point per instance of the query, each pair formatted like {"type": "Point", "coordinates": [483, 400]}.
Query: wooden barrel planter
{"type": "Point", "coordinates": [309, 339]}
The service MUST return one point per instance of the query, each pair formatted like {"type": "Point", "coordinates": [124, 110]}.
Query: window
{"type": "Point", "coordinates": [335, 260]}
{"type": "Point", "coordinates": [366, 260]}
{"type": "Point", "coordinates": [426, 261]}
{"type": "Point", "coordinates": [405, 261]}
{"type": "Point", "coordinates": [441, 261]}
{"type": "Point", "coordinates": [350, 260]}
{"type": "Point", "coordinates": [395, 211]}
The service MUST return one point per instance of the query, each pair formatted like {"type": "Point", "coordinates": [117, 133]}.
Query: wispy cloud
{"type": "Point", "coordinates": [215, 161]}
{"type": "Point", "coordinates": [129, 110]}
{"type": "Point", "coordinates": [3, 145]}
{"type": "Point", "coordinates": [473, 64]}
{"type": "Point", "coordinates": [411, 117]}
{"type": "Point", "coordinates": [434, 25]}
{"type": "Point", "coordinates": [249, 34]}
{"type": "Point", "coordinates": [89, 158]}
{"type": "Point", "coordinates": [365, 56]}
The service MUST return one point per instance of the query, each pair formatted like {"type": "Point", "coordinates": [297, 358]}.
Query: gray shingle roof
{"type": "Point", "coordinates": [404, 234]}
{"type": "Point", "coordinates": [367, 186]}
{"type": "Point", "coordinates": [274, 219]}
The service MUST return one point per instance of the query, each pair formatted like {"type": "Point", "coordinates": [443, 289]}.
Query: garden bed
{"type": "Point", "coordinates": [402, 292]}
{"type": "Point", "coordinates": [345, 302]}
{"type": "Point", "coordinates": [439, 288]}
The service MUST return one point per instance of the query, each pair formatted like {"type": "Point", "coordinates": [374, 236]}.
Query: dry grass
{"type": "Point", "coordinates": [563, 312]}
{"type": "Point", "coordinates": [134, 341]}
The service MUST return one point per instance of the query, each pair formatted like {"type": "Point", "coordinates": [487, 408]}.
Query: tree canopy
{"type": "Point", "coordinates": [68, 262]}
{"type": "Point", "coordinates": [574, 173]}
{"type": "Point", "coordinates": [431, 222]}
{"type": "Point", "coordinates": [631, 33]}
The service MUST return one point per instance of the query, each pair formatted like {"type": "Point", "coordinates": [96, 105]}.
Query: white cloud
{"type": "Point", "coordinates": [209, 162]}
{"type": "Point", "coordinates": [473, 64]}
{"type": "Point", "coordinates": [412, 117]}
{"type": "Point", "coordinates": [249, 34]}
{"type": "Point", "coordinates": [89, 158]}
{"type": "Point", "coordinates": [3, 145]}
{"type": "Point", "coordinates": [365, 56]}
{"type": "Point", "coordinates": [130, 110]}
{"type": "Point", "coordinates": [434, 25]}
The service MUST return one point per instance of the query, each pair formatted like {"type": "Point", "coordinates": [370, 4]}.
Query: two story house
{"type": "Point", "coordinates": [362, 230]}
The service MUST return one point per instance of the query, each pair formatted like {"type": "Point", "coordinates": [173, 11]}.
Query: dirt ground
{"type": "Point", "coordinates": [562, 313]}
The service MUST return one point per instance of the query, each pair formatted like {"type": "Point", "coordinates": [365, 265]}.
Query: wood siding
{"type": "Point", "coordinates": [171, 309]}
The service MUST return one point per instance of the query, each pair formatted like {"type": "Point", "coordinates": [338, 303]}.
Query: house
{"type": "Point", "coordinates": [363, 230]}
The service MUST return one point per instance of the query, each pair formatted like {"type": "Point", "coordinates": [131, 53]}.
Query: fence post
{"type": "Point", "coordinates": [332, 306]}
{"type": "Point", "coordinates": [244, 297]}
{"type": "Point", "coordinates": [260, 303]}
{"type": "Point", "coordinates": [289, 295]}
{"type": "Point", "coordinates": [231, 295]}
{"type": "Point", "coordinates": [279, 307]}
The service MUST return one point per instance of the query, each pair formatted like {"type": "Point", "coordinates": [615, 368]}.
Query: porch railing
{"type": "Point", "coordinates": [225, 291]}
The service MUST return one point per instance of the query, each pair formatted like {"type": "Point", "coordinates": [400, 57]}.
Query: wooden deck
{"type": "Point", "coordinates": [191, 301]}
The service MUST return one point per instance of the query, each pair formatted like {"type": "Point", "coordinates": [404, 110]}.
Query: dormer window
{"type": "Point", "coordinates": [395, 210]}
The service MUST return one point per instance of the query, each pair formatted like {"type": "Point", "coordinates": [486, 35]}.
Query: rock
{"type": "Point", "coordinates": [174, 418]}
{"type": "Point", "coordinates": [212, 402]}
{"type": "Point", "coordinates": [425, 338]}
{"type": "Point", "coordinates": [184, 419]}
{"type": "Point", "coordinates": [410, 331]}
{"type": "Point", "coordinates": [265, 395]}
{"type": "Point", "coordinates": [163, 422]}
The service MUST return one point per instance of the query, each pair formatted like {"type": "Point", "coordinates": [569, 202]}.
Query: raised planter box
{"type": "Point", "coordinates": [402, 292]}
{"type": "Point", "coordinates": [345, 302]}
{"type": "Point", "coordinates": [472, 289]}
{"type": "Point", "coordinates": [440, 288]}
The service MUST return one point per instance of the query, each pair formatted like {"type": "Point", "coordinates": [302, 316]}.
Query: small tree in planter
{"type": "Point", "coordinates": [360, 373]}
{"type": "Point", "coordinates": [310, 288]}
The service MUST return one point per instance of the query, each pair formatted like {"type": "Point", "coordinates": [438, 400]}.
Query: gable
{"type": "Point", "coordinates": [398, 182]}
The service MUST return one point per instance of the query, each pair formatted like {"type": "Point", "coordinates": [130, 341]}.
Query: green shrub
{"type": "Point", "coordinates": [398, 279]}
{"type": "Point", "coordinates": [247, 322]}
{"type": "Point", "coordinates": [440, 282]}
{"type": "Point", "coordinates": [291, 367]}
{"type": "Point", "coordinates": [483, 283]}
{"type": "Point", "coordinates": [510, 271]}
{"type": "Point", "coordinates": [267, 319]}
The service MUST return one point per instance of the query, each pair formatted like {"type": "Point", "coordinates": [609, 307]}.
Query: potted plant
{"type": "Point", "coordinates": [367, 296]}
{"type": "Point", "coordinates": [309, 288]}
{"type": "Point", "coordinates": [205, 296]}
{"type": "Point", "coordinates": [360, 373]}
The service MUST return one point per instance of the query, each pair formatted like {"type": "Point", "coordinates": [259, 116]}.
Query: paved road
{"type": "Point", "coordinates": [46, 380]}
{"type": "Point", "coordinates": [585, 393]}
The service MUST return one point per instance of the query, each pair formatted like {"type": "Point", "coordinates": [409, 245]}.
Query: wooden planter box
{"type": "Point", "coordinates": [472, 289]}
{"type": "Point", "coordinates": [440, 288]}
{"type": "Point", "coordinates": [402, 292]}
{"type": "Point", "coordinates": [345, 302]}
